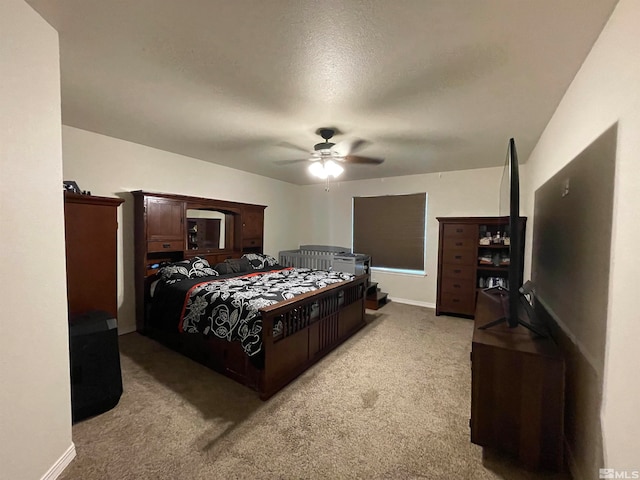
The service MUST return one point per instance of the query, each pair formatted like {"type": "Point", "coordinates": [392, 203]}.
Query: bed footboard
{"type": "Point", "coordinates": [313, 324]}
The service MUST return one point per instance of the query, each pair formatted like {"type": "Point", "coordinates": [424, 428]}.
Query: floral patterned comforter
{"type": "Point", "coordinates": [228, 308]}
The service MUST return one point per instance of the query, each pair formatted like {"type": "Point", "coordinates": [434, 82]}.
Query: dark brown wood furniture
{"type": "Point", "coordinates": [313, 323]}
{"type": "Point", "coordinates": [305, 340]}
{"type": "Point", "coordinates": [517, 390]}
{"type": "Point", "coordinates": [252, 227]}
{"type": "Point", "coordinates": [162, 234]}
{"type": "Point", "coordinates": [203, 233]}
{"type": "Point", "coordinates": [460, 272]}
{"type": "Point", "coordinates": [91, 244]}
{"type": "Point", "coordinates": [375, 297]}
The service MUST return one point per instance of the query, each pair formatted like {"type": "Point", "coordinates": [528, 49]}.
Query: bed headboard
{"type": "Point", "coordinates": [164, 233]}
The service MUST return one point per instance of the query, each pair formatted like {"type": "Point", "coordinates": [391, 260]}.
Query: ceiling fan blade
{"type": "Point", "coordinates": [347, 147]}
{"type": "Point", "coordinates": [292, 146]}
{"type": "Point", "coordinates": [363, 160]}
{"type": "Point", "coordinates": [290, 162]}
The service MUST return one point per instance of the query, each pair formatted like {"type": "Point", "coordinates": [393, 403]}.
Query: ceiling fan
{"type": "Point", "coordinates": [325, 154]}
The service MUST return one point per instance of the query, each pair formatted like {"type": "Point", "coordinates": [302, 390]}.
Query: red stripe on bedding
{"type": "Point", "coordinates": [188, 294]}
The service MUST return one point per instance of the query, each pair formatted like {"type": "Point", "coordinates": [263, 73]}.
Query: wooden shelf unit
{"type": "Point", "coordinates": [460, 273]}
{"type": "Point", "coordinates": [165, 233]}
{"type": "Point", "coordinates": [375, 298]}
{"type": "Point", "coordinates": [203, 234]}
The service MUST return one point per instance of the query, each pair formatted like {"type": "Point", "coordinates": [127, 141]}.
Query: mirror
{"type": "Point", "coordinates": [206, 229]}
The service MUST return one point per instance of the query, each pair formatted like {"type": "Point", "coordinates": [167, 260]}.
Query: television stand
{"type": "Point", "coordinates": [517, 391]}
{"type": "Point", "coordinates": [502, 293]}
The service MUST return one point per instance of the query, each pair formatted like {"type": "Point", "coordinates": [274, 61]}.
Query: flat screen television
{"type": "Point", "coordinates": [515, 304]}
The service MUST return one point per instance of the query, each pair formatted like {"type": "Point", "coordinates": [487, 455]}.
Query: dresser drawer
{"type": "Point", "coordinates": [465, 256]}
{"type": "Point", "coordinates": [462, 287]}
{"type": "Point", "coordinates": [170, 246]}
{"type": "Point", "coordinates": [458, 303]}
{"type": "Point", "coordinates": [251, 242]}
{"type": "Point", "coordinates": [460, 230]}
{"type": "Point", "coordinates": [459, 243]}
{"type": "Point", "coordinates": [465, 272]}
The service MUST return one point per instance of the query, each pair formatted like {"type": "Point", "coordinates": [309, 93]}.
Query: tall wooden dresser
{"type": "Point", "coordinates": [461, 272]}
{"type": "Point", "coordinates": [91, 248]}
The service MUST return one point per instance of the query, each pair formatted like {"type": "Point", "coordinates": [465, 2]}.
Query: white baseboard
{"type": "Point", "coordinates": [417, 303]}
{"type": "Point", "coordinates": [62, 463]}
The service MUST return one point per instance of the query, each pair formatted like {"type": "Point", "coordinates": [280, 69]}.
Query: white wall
{"type": "Point", "coordinates": [605, 91]}
{"type": "Point", "coordinates": [35, 405]}
{"type": "Point", "coordinates": [450, 194]}
{"type": "Point", "coordinates": [110, 167]}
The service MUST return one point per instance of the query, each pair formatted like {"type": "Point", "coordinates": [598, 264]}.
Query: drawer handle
{"type": "Point", "coordinates": [457, 270]}
{"type": "Point", "coordinates": [455, 300]}
{"type": "Point", "coordinates": [458, 257]}
{"type": "Point", "coordinates": [166, 245]}
{"type": "Point", "coordinates": [458, 230]}
{"type": "Point", "coordinates": [456, 285]}
{"type": "Point", "coordinates": [458, 244]}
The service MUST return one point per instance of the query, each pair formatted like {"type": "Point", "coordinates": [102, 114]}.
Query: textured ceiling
{"type": "Point", "coordinates": [433, 85]}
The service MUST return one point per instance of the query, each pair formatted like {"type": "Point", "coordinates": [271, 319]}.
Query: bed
{"type": "Point", "coordinates": [254, 321]}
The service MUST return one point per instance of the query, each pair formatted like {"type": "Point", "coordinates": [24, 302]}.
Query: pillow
{"type": "Point", "coordinates": [223, 268]}
{"type": "Point", "coordinates": [259, 260]}
{"type": "Point", "coordinates": [201, 268]}
{"type": "Point", "coordinates": [174, 272]}
{"type": "Point", "coordinates": [238, 265]}
{"type": "Point", "coordinates": [193, 268]}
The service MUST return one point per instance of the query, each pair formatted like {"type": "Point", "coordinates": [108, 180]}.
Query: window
{"type": "Point", "coordinates": [392, 229]}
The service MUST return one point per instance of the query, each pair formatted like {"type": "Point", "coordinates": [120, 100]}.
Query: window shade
{"type": "Point", "coordinates": [391, 229]}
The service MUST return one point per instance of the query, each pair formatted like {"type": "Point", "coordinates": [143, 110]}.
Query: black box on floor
{"type": "Point", "coordinates": [96, 379]}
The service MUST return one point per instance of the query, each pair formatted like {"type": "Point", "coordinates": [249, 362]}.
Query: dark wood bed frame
{"type": "Point", "coordinates": [307, 336]}
{"type": "Point", "coordinates": [304, 341]}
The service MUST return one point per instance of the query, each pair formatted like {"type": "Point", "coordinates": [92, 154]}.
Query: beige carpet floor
{"type": "Point", "coordinates": [393, 402]}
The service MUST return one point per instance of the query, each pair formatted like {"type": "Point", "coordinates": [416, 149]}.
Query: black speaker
{"type": "Point", "coordinates": [96, 379]}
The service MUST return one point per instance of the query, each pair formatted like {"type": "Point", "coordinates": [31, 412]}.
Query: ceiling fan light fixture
{"type": "Point", "coordinates": [325, 169]}
{"type": "Point", "coordinates": [333, 169]}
